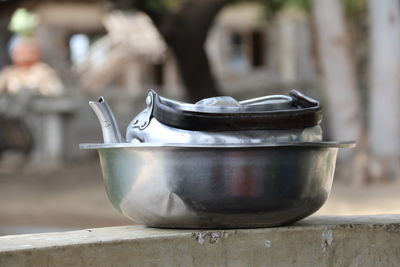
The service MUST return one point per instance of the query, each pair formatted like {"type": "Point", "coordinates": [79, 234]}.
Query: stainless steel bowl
{"type": "Point", "coordinates": [217, 186]}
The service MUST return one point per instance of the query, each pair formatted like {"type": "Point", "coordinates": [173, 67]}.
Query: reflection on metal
{"type": "Point", "coordinates": [252, 176]}
{"type": "Point", "coordinates": [157, 132]}
{"type": "Point", "coordinates": [217, 187]}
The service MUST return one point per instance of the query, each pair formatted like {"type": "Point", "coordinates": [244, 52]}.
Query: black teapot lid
{"type": "Point", "coordinates": [226, 114]}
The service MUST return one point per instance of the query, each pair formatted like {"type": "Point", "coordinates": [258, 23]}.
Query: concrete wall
{"type": "Point", "coordinates": [318, 241]}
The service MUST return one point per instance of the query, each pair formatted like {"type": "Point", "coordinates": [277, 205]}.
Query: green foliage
{"type": "Point", "coordinates": [163, 5]}
{"type": "Point", "coordinates": [272, 7]}
{"type": "Point", "coordinates": [301, 4]}
{"type": "Point", "coordinates": [174, 4]}
{"type": "Point", "coordinates": [354, 7]}
{"type": "Point", "coordinates": [154, 5]}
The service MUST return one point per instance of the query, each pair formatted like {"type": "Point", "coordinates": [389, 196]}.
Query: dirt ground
{"type": "Point", "coordinates": [73, 197]}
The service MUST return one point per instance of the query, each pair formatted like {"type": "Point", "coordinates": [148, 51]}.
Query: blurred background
{"type": "Point", "coordinates": [55, 56]}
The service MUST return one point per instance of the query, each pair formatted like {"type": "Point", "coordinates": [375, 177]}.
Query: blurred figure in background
{"type": "Point", "coordinates": [28, 73]}
{"type": "Point", "coordinates": [25, 78]}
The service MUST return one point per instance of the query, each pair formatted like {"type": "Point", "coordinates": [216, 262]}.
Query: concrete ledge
{"type": "Point", "coordinates": [317, 241]}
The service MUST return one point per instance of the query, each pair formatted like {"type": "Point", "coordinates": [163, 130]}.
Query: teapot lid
{"type": "Point", "coordinates": [276, 112]}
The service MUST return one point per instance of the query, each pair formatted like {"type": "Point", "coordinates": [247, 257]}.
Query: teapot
{"type": "Point", "coordinates": [217, 120]}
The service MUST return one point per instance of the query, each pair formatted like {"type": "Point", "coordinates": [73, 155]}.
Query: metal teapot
{"type": "Point", "coordinates": [218, 120]}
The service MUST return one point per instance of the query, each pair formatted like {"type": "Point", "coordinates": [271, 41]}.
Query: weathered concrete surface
{"type": "Point", "coordinates": [317, 241]}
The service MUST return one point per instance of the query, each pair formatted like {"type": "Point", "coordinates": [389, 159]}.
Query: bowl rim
{"type": "Point", "coordinates": [322, 144]}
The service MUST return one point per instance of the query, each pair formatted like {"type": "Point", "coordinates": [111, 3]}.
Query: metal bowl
{"type": "Point", "coordinates": [227, 186]}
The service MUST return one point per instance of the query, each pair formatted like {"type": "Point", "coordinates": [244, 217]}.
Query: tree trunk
{"type": "Point", "coordinates": [340, 84]}
{"type": "Point", "coordinates": [384, 91]}
{"type": "Point", "coordinates": [194, 68]}
{"type": "Point", "coordinates": [185, 31]}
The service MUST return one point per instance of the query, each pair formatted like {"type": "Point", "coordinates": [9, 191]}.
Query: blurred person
{"type": "Point", "coordinates": [25, 78]}
{"type": "Point", "coordinates": [28, 73]}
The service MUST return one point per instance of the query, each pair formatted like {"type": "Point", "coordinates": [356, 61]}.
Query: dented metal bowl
{"type": "Point", "coordinates": [217, 186]}
{"type": "Point", "coordinates": [218, 163]}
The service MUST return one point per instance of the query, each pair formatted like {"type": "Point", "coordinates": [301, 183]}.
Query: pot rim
{"type": "Point", "coordinates": [322, 144]}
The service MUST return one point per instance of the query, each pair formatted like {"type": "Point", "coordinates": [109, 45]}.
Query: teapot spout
{"type": "Point", "coordinates": [109, 126]}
